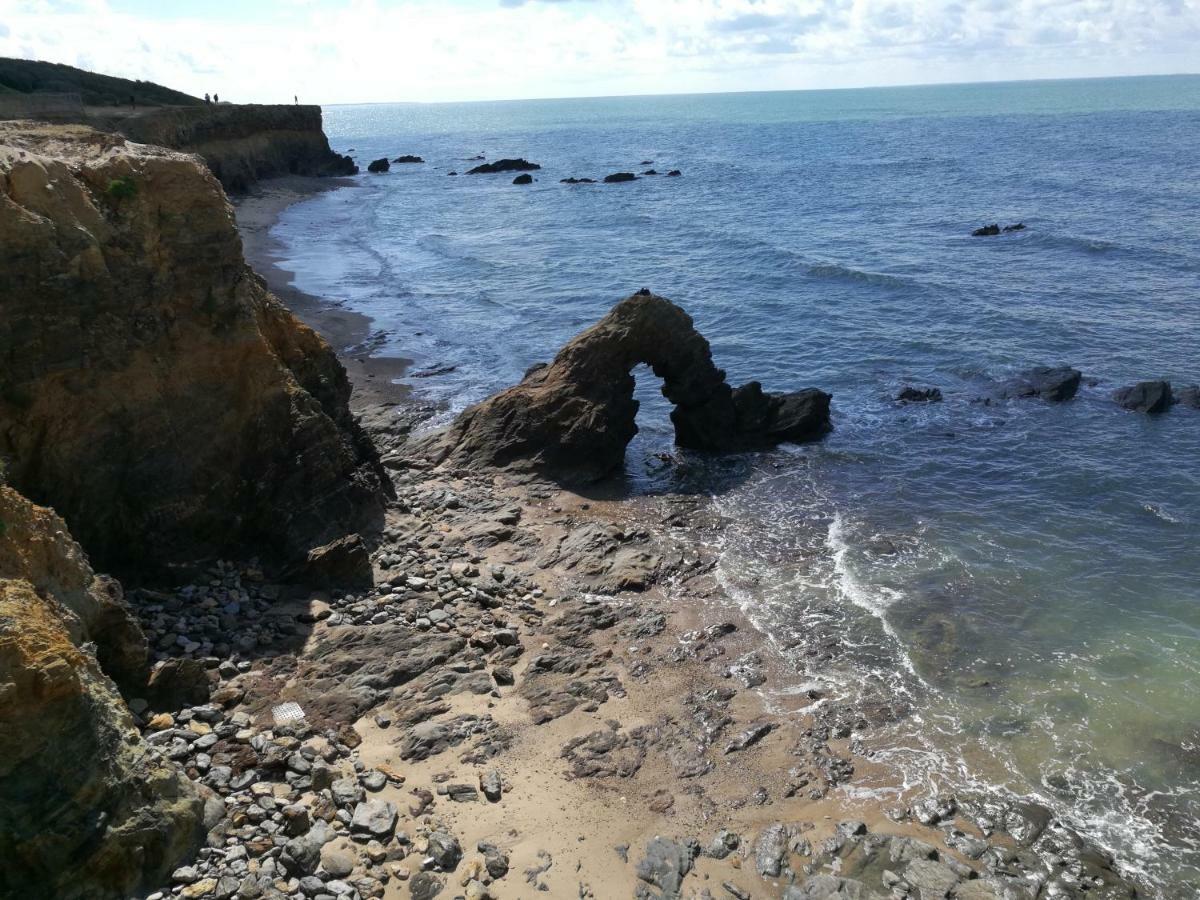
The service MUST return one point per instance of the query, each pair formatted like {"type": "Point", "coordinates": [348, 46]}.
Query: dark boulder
{"type": "Point", "coordinates": [344, 563]}
{"type": "Point", "coordinates": [986, 231]}
{"type": "Point", "coordinates": [176, 683]}
{"type": "Point", "coordinates": [451, 173]}
{"type": "Point", "coordinates": [674, 173]}
{"type": "Point", "coordinates": [573, 418]}
{"type": "Point", "coordinates": [577, 181]}
{"type": "Point", "coordinates": [504, 165]}
{"type": "Point", "coordinates": [523, 179]}
{"type": "Point", "coordinates": [618, 177]}
{"type": "Point", "coordinates": [339, 165]}
{"type": "Point", "coordinates": [408, 159]}
{"type": "Point", "coordinates": [379, 165]}
{"type": "Point", "coordinates": [646, 162]}
{"type": "Point", "coordinates": [650, 172]}
{"type": "Point", "coordinates": [1055, 384]}
{"type": "Point", "coordinates": [1145, 396]}
{"type": "Point", "coordinates": [1020, 226]}
{"type": "Point", "coordinates": [910, 394]}
{"type": "Point", "coordinates": [1189, 396]}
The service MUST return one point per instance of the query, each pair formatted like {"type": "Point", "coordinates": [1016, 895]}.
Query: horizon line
{"type": "Point", "coordinates": [874, 87]}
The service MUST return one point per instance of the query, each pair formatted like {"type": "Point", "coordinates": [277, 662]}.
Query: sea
{"type": "Point", "coordinates": [1024, 576]}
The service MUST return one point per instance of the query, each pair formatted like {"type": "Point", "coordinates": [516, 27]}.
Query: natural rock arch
{"type": "Point", "coordinates": [572, 419]}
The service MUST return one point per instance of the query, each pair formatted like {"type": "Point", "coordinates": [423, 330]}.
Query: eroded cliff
{"type": "Point", "coordinates": [151, 389]}
{"type": "Point", "coordinates": [87, 809]}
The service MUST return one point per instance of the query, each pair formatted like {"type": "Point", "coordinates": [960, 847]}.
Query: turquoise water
{"type": "Point", "coordinates": [1023, 576]}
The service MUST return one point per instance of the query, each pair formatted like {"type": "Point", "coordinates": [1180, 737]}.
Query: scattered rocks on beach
{"type": "Point", "coordinates": [1151, 397]}
{"type": "Point", "coordinates": [504, 165]}
{"type": "Point", "coordinates": [379, 165]}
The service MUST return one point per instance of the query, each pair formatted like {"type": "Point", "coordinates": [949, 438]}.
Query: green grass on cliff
{"type": "Point", "coordinates": [26, 76]}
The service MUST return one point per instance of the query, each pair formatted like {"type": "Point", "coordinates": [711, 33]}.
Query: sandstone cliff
{"type": "Point", "coordinates": [151, 389]}
{"type": "Point", "coordinates": [87, 809]}
{"type": "Point", "coordinates": [572, 419]}
{"type": "Point", "coordinates": [241, 143]}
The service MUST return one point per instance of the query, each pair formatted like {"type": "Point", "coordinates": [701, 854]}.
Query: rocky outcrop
{"type": "Point", "coordinates": [241, 143]}
{"type": "Point", "coordinates": [1146, 396]}
{"type": "Point", "coordinates": [151, 390]}
{"type": "Point", "coordinates": [523, 179]}
{"type": "Point", "coordinates": [1053, 384]}
{"type": "Point", "coordinates": [504, 165]}
{"type": "Point", "coordinates": [379, 166]}
{"type": "Point", "coordinates": [618, 177]}
{"type": "Point", "coordinates": [87, 809]}
{"type": "Point", "coordinates": [573, 418]}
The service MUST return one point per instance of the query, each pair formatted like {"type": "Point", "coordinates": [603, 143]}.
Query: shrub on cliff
{"type": "Point", "coordinates": [121, 188]}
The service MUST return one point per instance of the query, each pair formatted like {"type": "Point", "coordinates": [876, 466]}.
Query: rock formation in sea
{"type": "Point", "coordinates": [572, 419]}
{"type": "Point", "coordinates": [1054, 384]}
{"type": "Point", "coordinates": [504, 165]}
{"type": "Point", "coordinates": [151, 389]}
{"type": "Point", "coordinates": [1146, 396]}
{"type": "Point", "coordinates": [87, 810]}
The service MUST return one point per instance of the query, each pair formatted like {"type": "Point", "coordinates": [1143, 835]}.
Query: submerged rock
{"type": "Point", "coordinates": [986, 231]}
{"type": "Point", "coordinates": [1189, 396]}
{"type": "Point", "coordinates": [910, 394]}
{"type": "Point", "coordinates": [1054, 384]}
{"type": "Point", "coordinates": [618, 177]}
{"type": "Point", "coordinates": [407, 159]}
{"type": "Point", "coordinates": [674, 173]}
{"type": "Point", "coordinates": [573, 418]}
{"type": "Point", "coordinates": [1146, 397]}
{"type": "Point", "coordinates": [504, 165]}
{"type": "Point", "coordinates": [379, 165]}
{"type": "Point", "coordinates": [574, 180]}
{"type": "Point", "coordinates": [523, 179]}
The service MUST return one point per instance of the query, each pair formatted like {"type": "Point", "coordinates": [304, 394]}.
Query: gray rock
{"type": "Point", "coordinates": [338, 861]}
{"type": "Point", "coordinates": [666, 863]}
{"type": "Point", "coordinates": [724, 843]}
{"type": "Point", "coordinates": [495, 860]}
{"type": "Point", "coordinates": [347, 791]}
{"type": "Point", "coordinates": [770, 851]}
{"type": "Point", "coordinates": [445, 851]}
{"type": "Point", "coordinates": [931, 879]}
{"type": "Point", "coordinates": [1146, 397]}
{"type": "Point", "coordinates": [830, 887]}
{"type": "Point", "coordinates": [424, 886]}
{"type": "Point", "coordinates": [301, 855]}
{"type": "Point", "coordinates": [375, 818]}
{"type": "Point", "coordinates": [492, 785]}
{"type": "Point", "coordinates": [750, 737]}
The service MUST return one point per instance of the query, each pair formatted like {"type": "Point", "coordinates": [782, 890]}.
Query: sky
{"type": "Point", "coordinates": [347, 51]}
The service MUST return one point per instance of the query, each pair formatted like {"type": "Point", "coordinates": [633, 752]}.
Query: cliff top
{"type": "Point", "coordinates": [27, 76]}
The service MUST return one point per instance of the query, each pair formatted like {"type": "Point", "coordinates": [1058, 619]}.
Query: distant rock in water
{"type": "Point", "coordinates": [646, 162]}
{"type": "Point", "coordinates": [505, 165]}
{"type": "Point", "coordinates": [674, 173]}
{"type": "Point", "coordinates": [1145, 397]}
{"type": "Point", "coordinates": [995, 229]}
{"type": "Point", "coordinates": [571, 420]}
{"type": "Point", "coordinates": [1188, 396]}
{"type": "Point", "coordinates": [650, 172]}
{"type": "Point", "coordinates": [523, 179]}
{"type": "Point", "coordinates": [618, 177]}
{"type": "Point", "coordinates": [1054, 384]}
{"type": "Point", "coordinates": [408, 159]}
{"type": "Point", "coordinates": [451, 173]}
{"type": "Point", "coordinates": [577, 181]}
{"type": "Point", "coordinates": [379, 165]}
{"type": "Point", "coordinates": [910, 394]}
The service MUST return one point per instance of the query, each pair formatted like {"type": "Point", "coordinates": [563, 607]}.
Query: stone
{"type": "Point", "coordinates": [830, 887]}
{"type": "Point", "coordinates": [424, 886]}
{"type": "Point", "coordinates": [492, 785]}
{"type": "Point", "coordinates": [1189, 396]}
{"type": "Point", "coordinates": [301, 855]}
{"type": "Point", "coordinates": [986, 231]}
{"type": "Point", "coordinates": [346, 791]}
{"type": "Point", "coordinates": [1056, 384]}
{"type": "Point", "coordinates": [444, 850]}
{"type": "Point", "coordinates": [495, 860]}
{"type": "Point", "coordinates": [378, 166]}
{"type": "Point", "coordinates": [666, 863]}
{"type": "Point", "coordinates": [344, 563]}
{"type": "Point", "coordinates": [1151, 397]}
{"type": "Point", "coordinates": [408, 159]}
{"type": "Point", "coordinates": [618, 177]}
{"type": "Point", "coordinates": [176, 683]}
{"type": "Point", "coordinates": [572, 419]}
{"type": "Point", "coordinates": [504, 165]}
{"type": "Point", "coordinates": [770, 850]}
{"type": "Point", "coordinates": [376, 818]}
{"type": "Point", "coordinates": [910, 394]}
{"type": "Point", "coordinates": [338, 861]}
{"type": "Point", "coordinates": [523, 179]}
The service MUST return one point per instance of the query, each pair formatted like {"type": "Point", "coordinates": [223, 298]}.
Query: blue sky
{"type": "Point", "coordinates": [330, 51]}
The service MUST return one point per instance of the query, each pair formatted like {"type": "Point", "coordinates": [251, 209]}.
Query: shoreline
{"type": "Point", "coordinates": [374, 378]}
{"type": "Point", "coordinates": [647, 679]}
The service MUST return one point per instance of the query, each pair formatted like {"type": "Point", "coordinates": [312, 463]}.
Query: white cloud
{"type": "Point", "coordinates": [375, 50]}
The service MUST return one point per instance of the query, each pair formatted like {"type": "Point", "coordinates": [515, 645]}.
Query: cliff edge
{"type": "Point", "coordinates": [151, 389]}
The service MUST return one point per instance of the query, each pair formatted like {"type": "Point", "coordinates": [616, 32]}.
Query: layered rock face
{"type": "Point", "coordinates": [242, 143]}
{"type": "Point", "coordinates": [87, 810]}
{"type": "Point", "coordinates": [151, 390]}
{"type": "Point", "coordinates": [573, 418]}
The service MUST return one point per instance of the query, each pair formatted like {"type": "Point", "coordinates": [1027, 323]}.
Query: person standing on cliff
{"type": "Point", "coordinates": [207, 98]}
{"type": "Point", "coordinates": [216, 98]}
{"type": "Point", "coordinates": [296, 97]}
